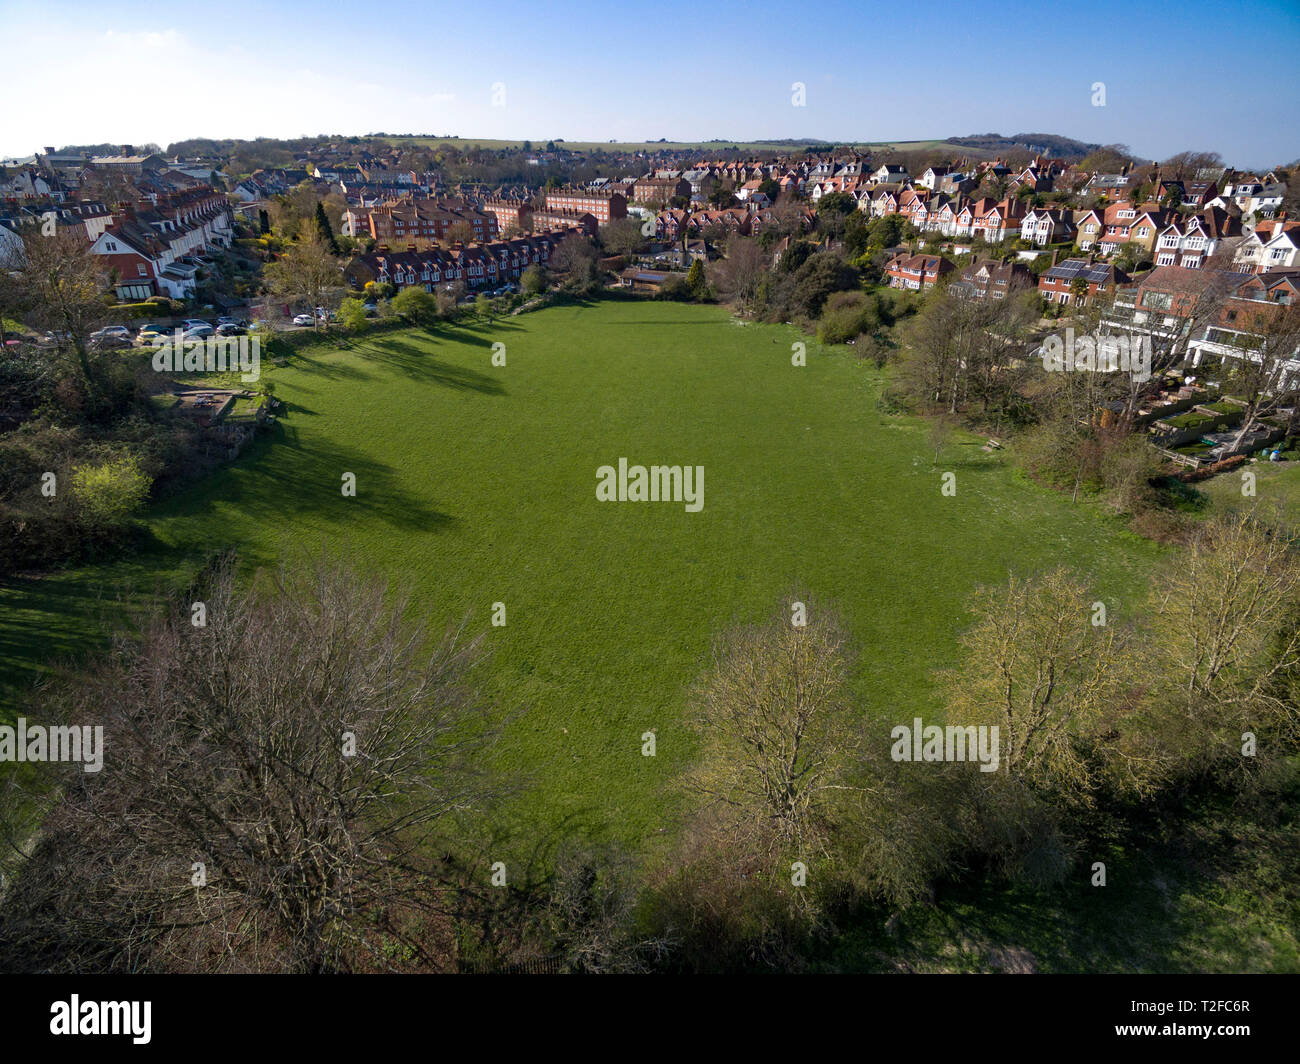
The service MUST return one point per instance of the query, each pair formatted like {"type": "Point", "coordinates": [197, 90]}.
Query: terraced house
{"type": "Point", "coordinates": [477, 266]}
{"type": "Point", "coordinates": [418, 219]}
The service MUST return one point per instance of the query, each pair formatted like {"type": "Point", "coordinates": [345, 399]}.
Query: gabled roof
{"type": "Point", "coordinates": [1074, 269]}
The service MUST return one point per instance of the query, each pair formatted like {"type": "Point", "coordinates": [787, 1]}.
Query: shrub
{"type": "Point", "coordinates": [847, 316]}
{"type": "Point", "coordinates": [533, 281]}
{"type": "Point", "coordinates": [415, 305]}
{"type": "Point", "coordinates": [675, 288]}
{"type": "Point", "coordinates": [107, 494]}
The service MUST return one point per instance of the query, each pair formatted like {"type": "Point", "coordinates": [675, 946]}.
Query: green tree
{"type": "Point", "coordinates": [324, 228]}
{"type": "Point", "coordinates": [352, 315]}
{"type": "Point", "coordinates": [695, 279]}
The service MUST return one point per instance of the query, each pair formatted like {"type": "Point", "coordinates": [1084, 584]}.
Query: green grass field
{"type": "Point", "coordinates": [476, 484]}
{"type": "Point", "coordinates": [1277, 486]}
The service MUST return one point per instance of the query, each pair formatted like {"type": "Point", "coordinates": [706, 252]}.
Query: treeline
{"type": "Point", "coordinates": [828, 282]}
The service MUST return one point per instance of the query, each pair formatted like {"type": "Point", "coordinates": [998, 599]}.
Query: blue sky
{"type": "Point", "coordinates": [1207, 76]}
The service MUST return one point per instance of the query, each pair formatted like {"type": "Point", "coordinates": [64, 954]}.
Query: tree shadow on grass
{"type": "Point", "coordinates": [331, 370]}
{"type": "Point", "coordinates": [478, 325]}
{"type": "Point", "coordinates": [419, 364]}
{"type": "Point", "coordinates": [48, 618]}
{"type": "Point", "coordinates": [656, 323]}
{"type": "Point", "coordinates": [281, 479]}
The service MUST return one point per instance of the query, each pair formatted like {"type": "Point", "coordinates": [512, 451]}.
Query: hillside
{"type": "Point", "coordinates": [1046, 143]}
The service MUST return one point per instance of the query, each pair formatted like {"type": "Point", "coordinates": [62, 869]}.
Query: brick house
{"type": "Point", "coordinates": [1058, 283]}
{"type": "Point", "coordinates": [607, 206]}
{"type": "Point", "coordinates": [916, 272]}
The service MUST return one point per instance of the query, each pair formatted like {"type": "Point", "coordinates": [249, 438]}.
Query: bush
{"type": "Point", "coordinates": [675, 288]}
{"type": "Point", "coordinates": [106, 495]}
{"type": "Point", "coordinates": [847, 316]}
{"type": "Point", "coordinates": [415, 305]}
{"type": "Point", "coordinates": [533, 281]}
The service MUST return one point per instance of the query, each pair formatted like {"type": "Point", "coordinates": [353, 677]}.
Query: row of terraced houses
{"type": "Point", "coordinates": [475, 266]}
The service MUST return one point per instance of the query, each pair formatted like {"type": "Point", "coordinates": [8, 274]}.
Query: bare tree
{"type": "Point", "coordinates": [961, 348]}
{"type": "Point", "coordinates": [278, 785]}
{"type": "Point", "coordinates": [739, 275]}
{"type": "Point", "coordinates": [61, 289]}
{"type": "Point", "coordinates": [1040, 669]}
{"type": "Point", "coordinates": [1222, 638]}
{"type": "Point", "coordinates": [1264, 374]}
{"type": "Point", "coordinates": [775, 728]}
{"type": "Point", "coordinates": [307, 271]}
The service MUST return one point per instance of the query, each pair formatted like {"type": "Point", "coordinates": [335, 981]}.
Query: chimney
{"type": "Point", "coordinates": [49, 150]}
{"type": "Point", "coordinates": [128, 149]}
{"type": "Point", "coordinates": [1055, 252]}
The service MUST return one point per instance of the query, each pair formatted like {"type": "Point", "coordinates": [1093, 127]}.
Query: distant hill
{"type": "Point", "coordinates": [1045, 143]}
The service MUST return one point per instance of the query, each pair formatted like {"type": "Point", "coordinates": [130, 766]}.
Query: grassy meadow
{"type": "Point", "coordinates": [475, 484]}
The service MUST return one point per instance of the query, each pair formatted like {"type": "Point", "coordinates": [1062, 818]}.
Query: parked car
{"type": "Point", "coordinates": [149, 333]}
{"type": "Point", "coordinates": [304, 320]}
{"type": "Point", "coordinates": [230, 328]}
{"type": "Point", "coordinates": [199, 332]}
{"type": "Point", "coordinates": [110, 340]}
{"type": "Point", "coordinates": [371, 309]}
{"type": "Point", "coordinates": [194, 323]}
{"type": "Point", "coordinates": [111, 330]}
